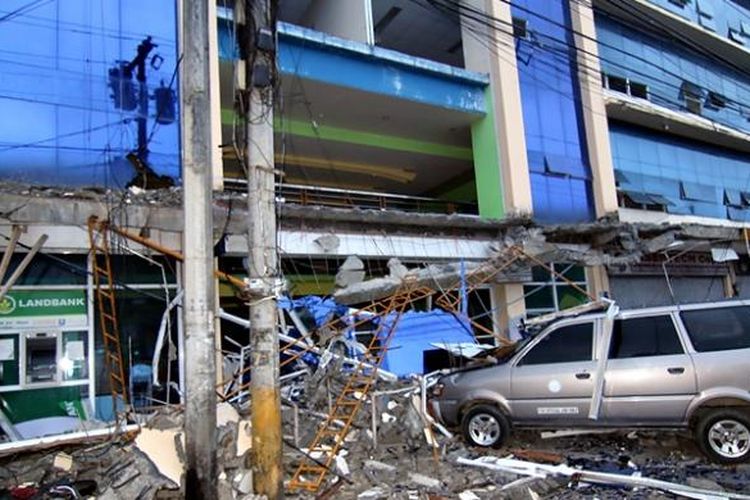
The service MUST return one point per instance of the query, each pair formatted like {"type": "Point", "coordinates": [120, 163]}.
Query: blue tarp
{"type": "Point", "coordinates": [320, 308]}
{"type": "Point", "coordinates": [415, 333]}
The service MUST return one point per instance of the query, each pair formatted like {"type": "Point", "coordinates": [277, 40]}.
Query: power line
{"type": "Point", "coordinates": [491, 22]}
{"type": "Point", "coordinates": [47, 23]}
{"type": "Point", "coordinates": [63, 136]}
{"type": "Point", "coordinates": [23, 10]}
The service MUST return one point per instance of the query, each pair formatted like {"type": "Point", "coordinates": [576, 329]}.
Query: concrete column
{"type": "Point", "coordinates": [593, 109]}
{"type": "Point", "coordinates": [500, 163]}
{"type": "Point", "coordinates": [350, 19]}
{"type": "Point", "coordinates": [597, 280]}
{"type": "Point", "coordinates": [198, 305]}
{"type": "Point", "coordinates": [509, 304]}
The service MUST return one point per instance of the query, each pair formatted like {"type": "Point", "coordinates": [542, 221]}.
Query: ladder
{"type": "Point", "coordinates": [104, 289]}
{"type": "Point", "coordinates": [311, 472]}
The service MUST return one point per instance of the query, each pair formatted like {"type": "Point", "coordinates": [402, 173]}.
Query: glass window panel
{"type": "Point", "coordinates": [9, 360]}
{"type": "Point", "coordinates": [74, 361]}
{"type": "Point", "coordinates": [573, 273]}
{"type": "Point", "coordinates": [539, 273]}
{"type": "Point", "coordinates": [565, 345]}
{"type": "Point", "coordinates": [539, 297]}
{"type": "Point", "coordinates": [568, 297]}
{"type": "Point", "coordinates": [640, 337]}
{"type": "Point", "coordinates": [718, 329]}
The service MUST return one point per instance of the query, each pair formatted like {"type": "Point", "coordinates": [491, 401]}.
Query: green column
{"type": "Point", "coordinates": [489, 182]}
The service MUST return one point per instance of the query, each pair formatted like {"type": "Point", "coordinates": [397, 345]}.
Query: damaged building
{"type": "Point", "coordinates": [609, 139]}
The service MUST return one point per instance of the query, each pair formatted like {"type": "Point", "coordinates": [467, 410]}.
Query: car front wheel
{"type": "Point", "coordinates": [724, 436]}
{"type": "Point", "coordinates": [486, 426]}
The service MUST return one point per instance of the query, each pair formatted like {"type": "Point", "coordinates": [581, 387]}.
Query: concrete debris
{"type": "Point", "coordinates": [373, 494]}
{"type": "Point", "coordinates": [62, 461]}
{"type": "Point", "coordinates": [351, 272]}
{"type": "Point", "coordinates": [468, 495]}
{"type": "Point", "coordinates": [328, 243]}
{"type": "Point", "coordinates": [437, 276]}
{"type": "Point", "coordinates": [537, 470]}
{"type": "Point", "coordinates": [426, 481]}
{"type": "Point", "coordinates": [161, 447]}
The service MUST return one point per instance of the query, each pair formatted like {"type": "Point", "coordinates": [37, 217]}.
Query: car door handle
{"type": "Point", "coordinates": [676, 370]}
{"type": "Point", "coordinates": [583, 376]}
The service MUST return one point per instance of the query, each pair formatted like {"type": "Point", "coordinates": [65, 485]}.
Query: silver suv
{"type": "Point", "coordinates": [682, 366]}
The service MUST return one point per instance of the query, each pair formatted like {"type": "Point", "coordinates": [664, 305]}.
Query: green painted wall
{"type": "Point", "coordinates": [31, 404]}
{"type": "Point", "coordinates": [325, 132]}
{"type": "Point", "coordinates": [487, 163]}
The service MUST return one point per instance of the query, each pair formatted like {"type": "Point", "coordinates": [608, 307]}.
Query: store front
{"type": "Point", "coordinates": [45, 361]}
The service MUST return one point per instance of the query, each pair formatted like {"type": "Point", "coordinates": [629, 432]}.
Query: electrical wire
{"type": "Point", "coordinates": [62, 136]}
{"type": "Point", "coordinates": [23, 10]}
{"type": "Point", "coordinates": [491, 22]}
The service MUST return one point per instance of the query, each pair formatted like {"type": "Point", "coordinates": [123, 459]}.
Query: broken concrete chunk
{"type": "Point", "coordinates": [160, 447]}
{"type": "Point", "coordinates": [375, 465]}
{"type": "Point", "coordinates": [62, 461]}
{"type": "Point", "coordinates": [243, 482]}
{"type": "Point", "coordinates": [328, 242]}
{"type": "Point", "coordinates": [225, 413]}
{"type": "Point", "coordinates": [426, 481]}
{"type": "Point", "coordinates": [244, 437]}
{"type": "Point", "coordinates": [396, 269]}
{"type": "Point", "coordinates": [373, 494]}
{"type": "Point", "coordinates": [351, 272]}
{"type": "Point", "coordinates": [386, 417]}
{"type": "Point", "coordinates": [468, 495]}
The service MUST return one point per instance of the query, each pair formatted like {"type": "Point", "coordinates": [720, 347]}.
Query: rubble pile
{"type": "Point", "coordinates": [389, 453]}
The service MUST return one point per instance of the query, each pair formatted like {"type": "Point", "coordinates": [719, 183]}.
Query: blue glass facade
{"type": "Point", "coordinates": [685, 177]}
{"type": "Point", "coordinates": [59, 123]}
{"type": "Point", "coordinates": [727, 18]}
{"type": "Point", "coordinates": [664, 67]}
{"type": "Point", "coordinates": [688, 177]}
{"type": "Point", "coordinates": [555, 139]}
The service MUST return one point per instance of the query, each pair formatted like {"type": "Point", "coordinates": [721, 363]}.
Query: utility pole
{"type": "Point", "coordinates": [198, 268]}
{"type": "Point", "coordinates": [256, 101]}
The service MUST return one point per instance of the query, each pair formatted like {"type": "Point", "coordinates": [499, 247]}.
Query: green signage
{"type": "Point", "coordinates": [25, 303]}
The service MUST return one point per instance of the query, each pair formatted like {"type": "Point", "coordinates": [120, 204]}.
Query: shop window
{"type": "Point", "coordinates": [41, 357]}
{"type": "Point", "coordinates": [480, 313]}
{"type": "Point", "coordinates": [549, 292]}
{"type": "Point", "coordinates": [74, 361]}
{"type": "Point", "coordinates": [9, 360]}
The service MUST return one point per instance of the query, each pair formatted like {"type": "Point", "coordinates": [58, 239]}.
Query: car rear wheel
{"type": "Point", "coordinates": [724, 436]}
{"type": "Point", "coordinates": [486, 426]}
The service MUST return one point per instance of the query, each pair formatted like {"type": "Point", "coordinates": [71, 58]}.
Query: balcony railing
{"type": "Point", "coordinates": [370, 200]}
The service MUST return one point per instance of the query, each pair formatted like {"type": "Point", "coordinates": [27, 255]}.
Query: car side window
{"type": "Point", "coordinates": [564, 345]}
{"type": "Point", "coordinates": [640, 337]}
{"type": "Point", "coordinates": [718, 329]}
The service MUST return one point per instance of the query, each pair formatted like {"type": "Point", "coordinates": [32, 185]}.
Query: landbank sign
{"type": "Point", "coordinates": [43, 308]}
